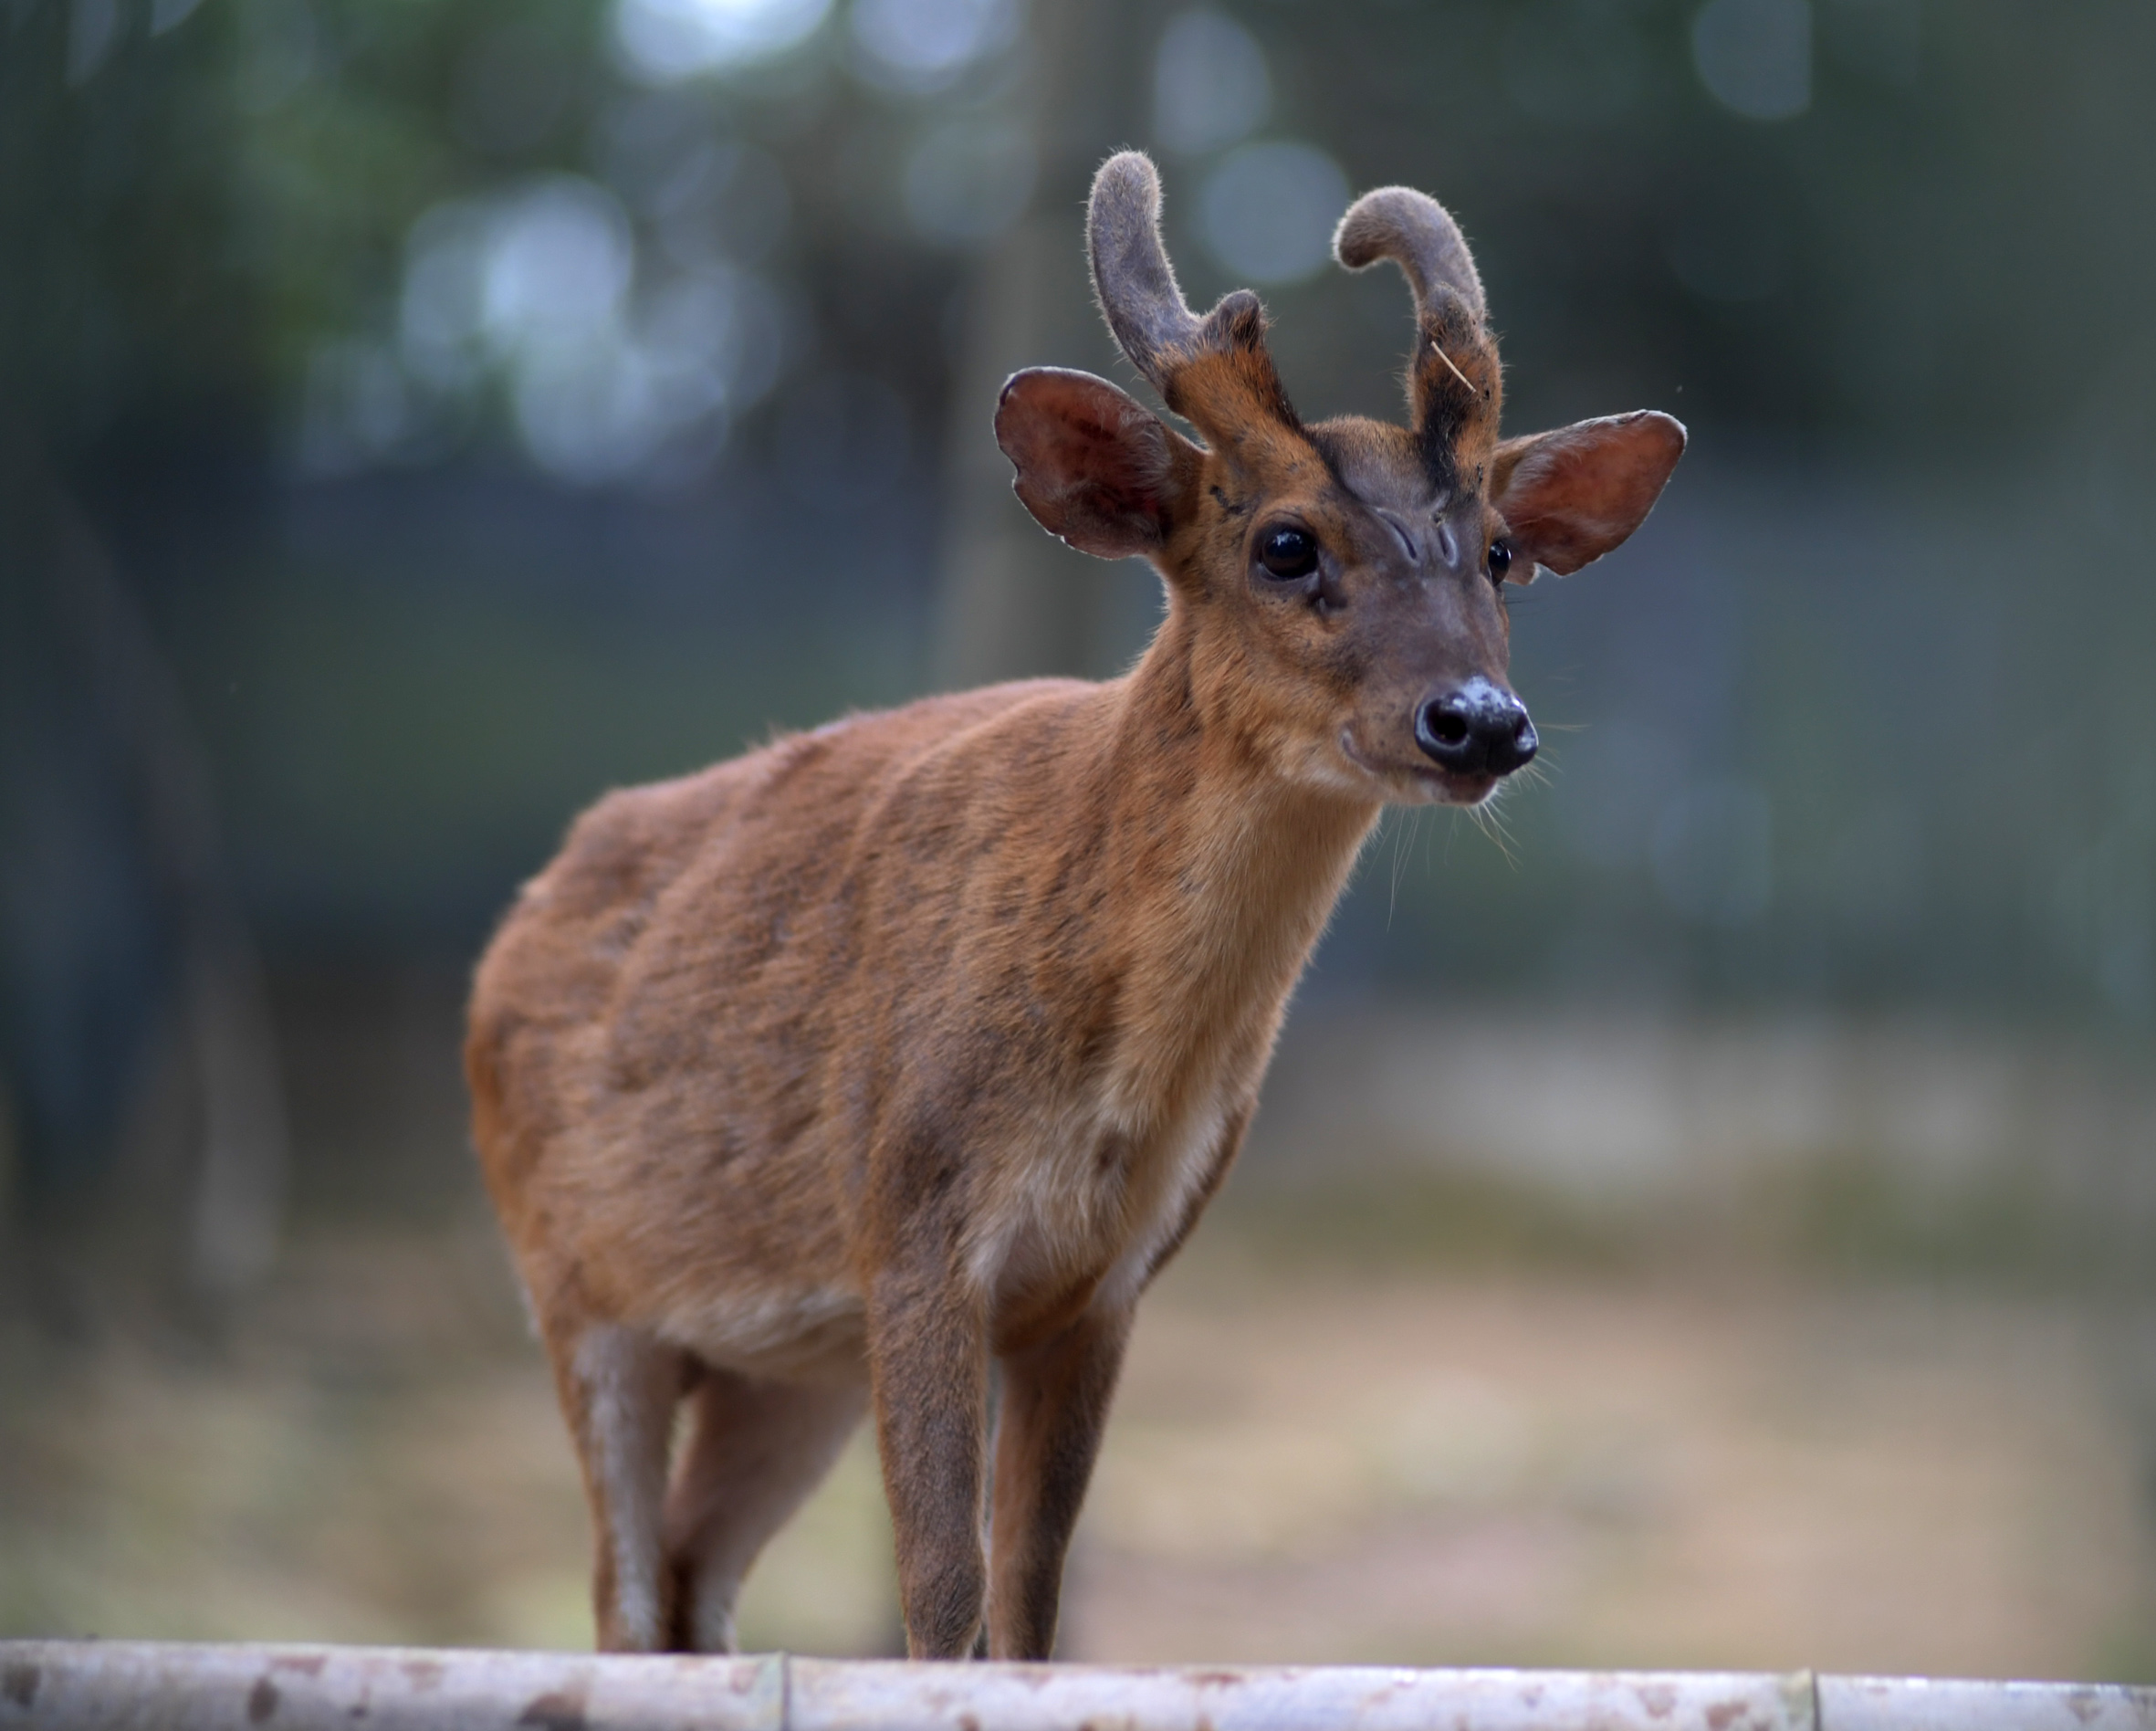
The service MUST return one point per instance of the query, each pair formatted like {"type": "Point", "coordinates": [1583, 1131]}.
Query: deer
{"type": "Point", "coordinates": [882, 1068]}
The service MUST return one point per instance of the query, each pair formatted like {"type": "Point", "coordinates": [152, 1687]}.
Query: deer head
{"type": "Point", "coordinates": [1340, 581]}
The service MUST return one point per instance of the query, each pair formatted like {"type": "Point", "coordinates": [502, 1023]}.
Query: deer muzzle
{"type": "Point", "coordinates": [1475, 728]}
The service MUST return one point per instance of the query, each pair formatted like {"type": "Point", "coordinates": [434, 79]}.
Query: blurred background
{"type": "Point", "coordinates": [1704, 1216]}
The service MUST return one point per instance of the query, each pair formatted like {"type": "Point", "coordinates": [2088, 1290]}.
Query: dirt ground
{"type": "Point", "coordinates": [1321, 1462]}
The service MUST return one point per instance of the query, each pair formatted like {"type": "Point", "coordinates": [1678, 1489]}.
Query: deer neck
{"type": "Point", "coordinates": [1240, 864]}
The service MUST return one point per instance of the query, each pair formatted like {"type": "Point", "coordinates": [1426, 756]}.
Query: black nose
{"type": "Point", "coordinates": [1476, 729]}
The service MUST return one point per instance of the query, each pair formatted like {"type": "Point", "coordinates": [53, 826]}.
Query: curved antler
{"type": "Point", "coordinates": [1453, 380]}
{"type": "Point", "coordinates": [1131, 275]}
{"type": "Point", "coordinates": [1419, 235]}
{"type": "Point", "coordinates": [1213, 370]}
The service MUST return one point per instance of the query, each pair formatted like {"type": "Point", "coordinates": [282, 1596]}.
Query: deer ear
{"type": "Point", "coordinates": [1094, 467]}
{"type": "Point", "coordinates": [1570, 495]}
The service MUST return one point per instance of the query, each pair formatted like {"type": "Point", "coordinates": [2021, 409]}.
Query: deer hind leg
{"type": "Point", "coordinates": [755, 1451]}
{"type": "Point", "coordinates": [619, 1388]}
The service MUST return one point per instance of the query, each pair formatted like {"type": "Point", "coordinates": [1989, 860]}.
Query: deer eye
{"type": "Point", "coordinates": [1287, 553]}
{"type": "Point", "coordinates": [1501, 561]}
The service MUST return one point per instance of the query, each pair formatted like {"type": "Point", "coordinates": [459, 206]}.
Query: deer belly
{"type": "Point", "coordinates": [813, 1334]}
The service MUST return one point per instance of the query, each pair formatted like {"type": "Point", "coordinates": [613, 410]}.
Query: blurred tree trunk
{"type": "Point", "coordinates": [120, 925]}
{"type": "Point", "coordinates": [1014, 601]}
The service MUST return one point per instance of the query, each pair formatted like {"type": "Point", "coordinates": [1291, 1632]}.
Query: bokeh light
{"type": "Point", "coordinates": [1267, 211]}
{"type": "Point", "coordinates": [1210, 83]}
{"type": "Point", "coordinates": [923, 46]}
{"type": "Point", "coordinates": [1755, 56]}
{"type": "Point", "coordinates": [540, 287]}
{"type": "Point", "coordinates": [664, 41]}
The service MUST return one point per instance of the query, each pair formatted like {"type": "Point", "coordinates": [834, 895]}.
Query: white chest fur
{"type": "Point", "coordinates": [1093, 1195]}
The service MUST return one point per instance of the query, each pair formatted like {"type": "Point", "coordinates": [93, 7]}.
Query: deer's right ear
{"type": "Point", "coordinates": [1095, 466]}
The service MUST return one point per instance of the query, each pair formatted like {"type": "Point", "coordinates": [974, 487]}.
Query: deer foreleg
{"type": "Point", "coordinates": [928, 1359]}
{"type": "Point", "coordinates": [1054, 1406]}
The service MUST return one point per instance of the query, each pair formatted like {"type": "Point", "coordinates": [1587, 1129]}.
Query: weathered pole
{"type": "Point", "coordinates": [72, 1685]}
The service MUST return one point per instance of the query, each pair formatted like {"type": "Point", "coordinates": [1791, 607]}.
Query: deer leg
{"type": "Point", "coordinates": [1048, 1431]}
{"type": "Point", "coordinates": [754, 1453]}
{"type": "Point", "coordinates": [928, 1362]}
{"type": "Point", "coordinates": [619, 1388]}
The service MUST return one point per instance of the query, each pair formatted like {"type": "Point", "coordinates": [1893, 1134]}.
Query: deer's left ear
{"type": "Point", "coordinates": [1095, 466]}
{"type": "Point", "coordinates": [1569, 495]}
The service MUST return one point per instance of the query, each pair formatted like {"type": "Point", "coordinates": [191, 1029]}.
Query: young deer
{"type": "Point", "coordinates": [828, 1077]}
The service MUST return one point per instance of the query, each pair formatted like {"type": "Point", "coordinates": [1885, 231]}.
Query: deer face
{"type": "Point", "coordinates": [1343, 579]}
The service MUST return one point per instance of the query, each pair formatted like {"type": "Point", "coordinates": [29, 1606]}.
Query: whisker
{"type": "Point", "coordinates": [1490, 824]}
{"type": "Point", "coordinates": [1497, 815]}
{"type": "Point", "coordinates": [1394, 902]}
